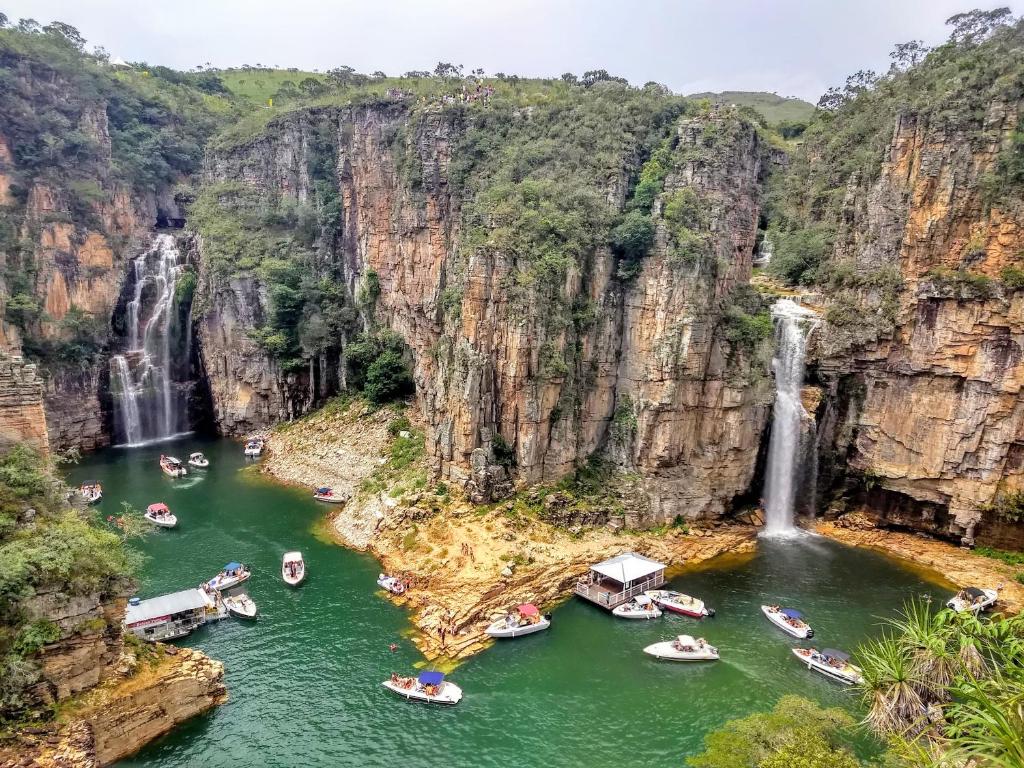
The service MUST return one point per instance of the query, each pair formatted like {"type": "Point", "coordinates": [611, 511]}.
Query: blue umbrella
{"type": "Point", "coordinates": [431, 678]}
{"type": "Point", "coordinates": [792, 613]}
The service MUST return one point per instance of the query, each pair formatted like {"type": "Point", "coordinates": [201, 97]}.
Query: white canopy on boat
{"type": "Point", "coordinates": [643, 600]}
{"type": "Point", "coordinates": [292, 557]}
{"type": "Point", "coordinates": [628, 567]}
{"type": "Point", "coordinates": [165, 605]}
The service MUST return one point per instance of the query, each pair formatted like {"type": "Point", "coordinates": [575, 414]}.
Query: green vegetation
{"type": "Point", "coordinates": [773, 108]}
{"type": "Point", "coordinates": [797, 733]}
{"type": "Point", "coordinates": [44, 544]}
{"type": "Point", "coordinates": [260, 84]}
{"type": "Point", "coordinates": [377, 367]}
{"type": "Point", "coordinates": [1010, 558]}
{"type": "Point", "coordinates": [1007, 505]}
{"type": "Point", "coordinates": [746, 320]}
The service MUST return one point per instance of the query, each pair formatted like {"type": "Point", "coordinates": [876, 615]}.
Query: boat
{"type": "Point", "coordinates": [524, 620]}
{"type": "Point", "coordinates": [392, 584]}
{"type": "Point", "coordinates": [428, 687]}
{"type": "Point", "coordinates": [293, 568]}
{"type": "Point", "coordinates": [240, 606]}
{"type": "Point", "coordinates": [233, 573]}
{"type": "Point", "coordinates": [640, 607]}
{"type": "Point", "coordinates": [683, 648]}
{"type": "Point", "coordinates": [830, 663]}
{"type": "Point", "coordinates": [328, 495]}
{"type": "Point", "coordinates": [198, 460]}
{"type": "Point", "coordinates": [677, 602]}
{"type": "Point", "coordinates": [91, 491]}
{"type": "Point", "coordinates": [789, 620]}
{"type": "Point", "coordinates": [172, 467]}
{"type": "Point", "coordinates": [973, 599]}
{"type": "Point", "coordinates": [160, 514]}
{"type": "Point", "coordinates": [169, 617]}
{"type": "Point", "coordinates": [254, 447]}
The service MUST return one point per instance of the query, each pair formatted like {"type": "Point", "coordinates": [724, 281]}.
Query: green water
{"type": "Point", "coordinates": [304, 679]}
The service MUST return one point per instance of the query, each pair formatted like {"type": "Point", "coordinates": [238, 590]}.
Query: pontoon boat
{"type": "Point", "coordinates": [198, 460]}
{"type": "Point", "coordinates": [677, 602]}
{"type": "Point", "coordinates": [293, 568]}
{"type": "Point", "coordinates": [233, 573]}
{"type": "Point", "coordinates": [830, 663]}
{"type": "Point", "coordinates": [640, 607]}
{"type": "Point", "coordinates": [172, 467]}
{"type": "Point", "coordinates": [159, 514]}
{"type": "Point", "coordinates": [683, 648]}
{"type": "Point", "coordinates": [524, 620]}
{"type": "Point", "coordinates": [391, 584]}
{"type": "Point", "coordinates": [789, 620]}
{"type": "Point", "coordinates": [429, 687]}
{"type": "Point", "coordinates": [973, 599]}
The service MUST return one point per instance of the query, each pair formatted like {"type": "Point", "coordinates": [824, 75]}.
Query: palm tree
{"type": "Point", "coordinates": [987, 719]}
{"type": "Point", "coordinates": [928, 638]}
{"type": "Point", "coordinates": [891, 688]}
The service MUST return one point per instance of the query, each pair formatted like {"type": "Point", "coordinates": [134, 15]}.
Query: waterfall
{"type": "Point", "coordinates": [764, 253]}
{"type": "Point", "coordinates": [793, 324]}
{"type": "Point", "coordinates": [148, 400]}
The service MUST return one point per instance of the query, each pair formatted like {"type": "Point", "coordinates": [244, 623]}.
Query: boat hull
{"type": "Point", "coordinates": [450, 694]}
{"type": "Point", "coordinates": [227, 583]}
{"type": "Point", "coordinates": [246, 611]}
{"type": "Point", "coordinates": [168, 521]}
{"type": "Point", "coordinates": [959, 606]}
{"type": "Point", "coordinates": [695, 609]}
{"type": "Point", "coordinates": [828, 671]}
{"type": "Point", "coordinates": [391, 585]}
{"type": "Point", "coordinates": [633, 614]}
{"type": "Point", "coordinates": [507, 633]}
{"type": "Point", "coordinates": [665, 652]}
{"type": "Point", "coordinates": [802, 633]}
{"type": "Point", "coordinates": [329, 499]}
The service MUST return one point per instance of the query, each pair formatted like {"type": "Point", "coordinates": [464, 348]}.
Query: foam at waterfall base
{"type": "Point", "coordinates": [155, 440]}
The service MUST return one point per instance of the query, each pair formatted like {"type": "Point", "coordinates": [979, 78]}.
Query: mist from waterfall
{"type": "Point", "coordinates": [793, 325]}
{"type": "Point", "coordinates": [148, 402]}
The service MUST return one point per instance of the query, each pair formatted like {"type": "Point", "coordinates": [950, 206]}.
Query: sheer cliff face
{"type": "Point", "coordinates": [941, 420]}
{"type": "Point", "coordinates": [645, 374]}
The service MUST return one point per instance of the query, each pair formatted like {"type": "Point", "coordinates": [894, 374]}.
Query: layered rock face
{"type": "Point", "coordinates": [932, 415]}
{"type": "Point", "coordinates": [649, 376]}
{"type": "Point", "coordinates": [22, 420]}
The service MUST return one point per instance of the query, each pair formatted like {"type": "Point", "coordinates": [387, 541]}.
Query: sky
{"type": "Point", "coordinates": [791, 47]}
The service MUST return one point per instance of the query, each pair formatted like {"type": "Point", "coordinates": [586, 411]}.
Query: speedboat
{"type": "Point", "coordinates": [830, 663]}
{"type": "Point", "coordinates": [677, 602]}
{"type": "Point", "coordinates": [683, 648]}
{"type": "Point", "coordinates": [160, 514]}
{"type": "Point", "coordinates": [233, 573]}
{"type": "Point", "coordinates": [91, 491]}
{"type": "Point", "coordinates": [640, 607]}
{"type": "Point", "coordinates": [254, 447]}
{"type": "Point", "coordinates": [328, 495]}
{"type": "Point", "coordinates": [293, 568]}
{"type": "Point", "coordinates": [789, 620]}
{"type": "Point", "coordinates": [428, 687]}
{"type": "Point", "coordinates": [198, 460]}
{"type": "Point", "coordinates": [172, 467]}
{"type": "Point", "coordinates": [240, 606]}
{"type": "Point", "coordinates": [973, 599]}
{"type": "Point", "coordinates": [392, 584]}
{"type": "Point", "coordinates": [524, 620]}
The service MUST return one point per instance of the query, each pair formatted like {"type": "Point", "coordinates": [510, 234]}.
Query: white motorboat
{"type": "Point", "coordinates": [198, 460]}
{"type": "Point", "coordinates": [683, 648]}
{"type": "Point", "coordinates": [329, 496]}
{"type": "Point", "coordinates": [640, 607]}
{"type": "Point", "coordinates": [524, 620]}
{"type": "Point", "coordinates": [392, 584]}
{"type": "Point", "coordinates": [428, 687]}
{"type": "Point", "coordinates": [240, 606]}
{"type": "Point", "coordinates": [233, 573]}
{"type": "Point", "coordinates": [293, 568]}
{"type": "Point", "coordinates": [254, 447]}
{"type": "Point", "coordinates": [830, 663]}
{"type": "Point", "coordinates": [677, 602]}
{"type": "Point", "coordinates": [973, 599]}
{"type": "Point", "coordinates": [91, 491]}
{"type": "Point", "coordinates": [789, 620]}
{"type": "Point", "coordinates": [160, 514]}
{"type": "Point", "coordinates": [172, 467]}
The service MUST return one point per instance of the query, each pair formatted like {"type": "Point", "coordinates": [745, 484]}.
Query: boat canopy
{"type": "Point", "coordinates": [686, 640]}
{"type": "Point", "coordinates": [643, 600]}
{"type": "Point", "coordinates": [792, 613]}
{"type": "Point", "coordinates": [975, 592]}
{"type": "Point", "coordinates": [431, 678]}
{"type": "Point", "coordinates": [89, 483]}
{"type": "Point", "coordinates": [158, 507]}
{"type": "Point", "coordinates": [292, 557]}
{"type": "Point", "coordinates": [165, 605]}
{"type": "Point", "coordinates": [628, 567]}
{"type": "Point", "coordinates": [196, 455]}
{"type": "Point", "coordinates": [232, 566]}
{"type": "Point", "coordinates": [833, 653]}
{"type": "Point", "coordinates": [528, 609]}
{"type": "Point", "coordinates": [323, 491]}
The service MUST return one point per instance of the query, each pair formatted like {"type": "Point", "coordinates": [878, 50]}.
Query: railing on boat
{"type": "Point", "coordinates": [600, 594]}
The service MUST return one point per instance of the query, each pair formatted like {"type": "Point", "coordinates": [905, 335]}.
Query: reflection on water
{"type": "Point", "coordinates": [304, 678]}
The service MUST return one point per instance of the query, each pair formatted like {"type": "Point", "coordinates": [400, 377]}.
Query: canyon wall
{"type": "Point", "coordinates": [647, 376]}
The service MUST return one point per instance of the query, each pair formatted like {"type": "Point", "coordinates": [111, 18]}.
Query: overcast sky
{"type": "Point", "coordinates": [792, 47]}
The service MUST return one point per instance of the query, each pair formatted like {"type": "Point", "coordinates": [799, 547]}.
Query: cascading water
{"type": "Point", "coordinates": [793, 324]}
{"type": "Point", "coordinates": [148, 400]}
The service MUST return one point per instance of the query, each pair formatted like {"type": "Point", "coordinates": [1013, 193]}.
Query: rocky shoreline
{"type": "Point", "coordinates": [151, 694]}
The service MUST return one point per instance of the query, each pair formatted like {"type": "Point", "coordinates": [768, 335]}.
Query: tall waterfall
{"type": "Point", "coordinates": [149, 403]}
{"type": "Point", "coordinates": [793, 324]}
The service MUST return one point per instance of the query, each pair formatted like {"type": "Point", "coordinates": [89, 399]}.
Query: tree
{"type": "Point", "coordinates": [378, 75]}
{"type": "Point", "coordinates": [907, 55]}
{"type": "Point", "coordinates": [570, 78]}
{"type": "Point", "coordinates": [445, 69]}
{"type": "Point", "coordinates": [312, 87]}
{"type": "Point", "coordinates": [3, 20]}
{"type": "Point", "coordinates": [29, 27]}
{"type": "Point", "coordinates": [633, 237]}
{"type": "Point", "coordinates": [975, 26]}
{"type": "Point", "coordinates": [797, 733]}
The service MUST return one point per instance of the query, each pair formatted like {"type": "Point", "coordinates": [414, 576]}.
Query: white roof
{"type": "Point", "coordinates": [165, 605]}
{"type": "Point", "coordinates": [628, 567]}
{"type": "Point", "coordinates": [290, 556]}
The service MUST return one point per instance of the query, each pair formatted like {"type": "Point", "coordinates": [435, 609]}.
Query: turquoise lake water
{"type": "Point", "coordinates": [304, 679]}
